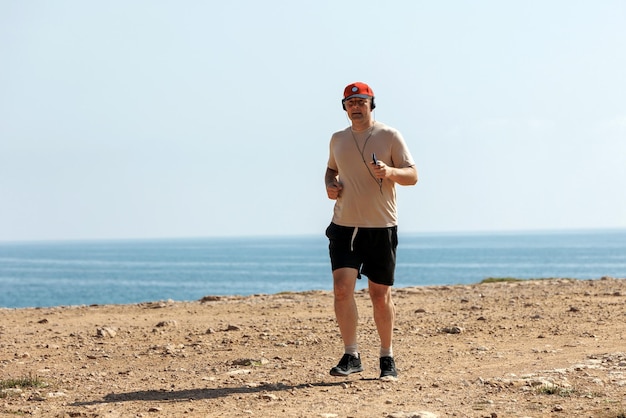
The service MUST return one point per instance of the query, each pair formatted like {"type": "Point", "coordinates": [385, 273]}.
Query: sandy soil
{"type": "Point", "coordinates": [541, 348]}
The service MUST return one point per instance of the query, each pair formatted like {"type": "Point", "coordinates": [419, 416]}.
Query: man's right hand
{"type": "Point", "coordinates": [333, 189]}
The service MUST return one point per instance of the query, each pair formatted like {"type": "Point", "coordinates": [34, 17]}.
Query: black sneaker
{"type": "Point", "coordinates": [388, 369]}
{"type": "Point", "coordinates": [347, 365]}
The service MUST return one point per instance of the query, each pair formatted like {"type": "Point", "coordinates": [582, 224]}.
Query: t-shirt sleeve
{"type": "Point", "coordinates": [332, 164]}
{"type": "Point", "coordinates": [400, 154]}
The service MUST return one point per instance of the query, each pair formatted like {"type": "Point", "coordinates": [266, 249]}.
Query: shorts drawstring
{"type": "Point", "coordinates": [356, 229]}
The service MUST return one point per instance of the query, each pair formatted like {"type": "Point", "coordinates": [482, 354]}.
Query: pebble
{"type": "Point", "coordinates": [169, 323]}
{"type": "Point", "coordinates": [269, 397]}
{"type": "Point", "coordinates": [106, 332]}
{"type": "Point", "coordinates": [452, 330]}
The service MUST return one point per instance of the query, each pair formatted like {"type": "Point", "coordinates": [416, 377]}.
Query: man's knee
{"type": "Point", "coordinates": [380, 294]}
{"type": "Point", "coordinates": [344, 282]}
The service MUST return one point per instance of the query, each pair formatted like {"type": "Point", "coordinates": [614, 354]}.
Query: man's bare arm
{"type": "Point", "coordinates": [333, 186]}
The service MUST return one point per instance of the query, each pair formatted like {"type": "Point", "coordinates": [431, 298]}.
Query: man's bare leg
{"type": "Point", "coordinates": [384, 312]}
{"type": "Point", "coordinates": [344, 282]}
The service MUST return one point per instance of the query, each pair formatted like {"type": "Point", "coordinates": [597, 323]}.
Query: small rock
{"type": "Point", "coordinates": [106, 332]}
{"type": "Point", "coordinates": [210, 298]}
{"type": "Point", "coordinates": [154, 305]}
{"type": "Point", "coordinates": [452, 330]}
{"type": "Point", "coordinates": [36, 397]}
{"type": "Point", "coordinates": [168, 323]}
{"type": "Point", "coordinates": [173, 348]}
{"type": "Point", "coordinates": [249, 362]}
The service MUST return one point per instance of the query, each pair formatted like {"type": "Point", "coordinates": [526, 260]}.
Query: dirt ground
{"type": "Point", "coordinates": [539, 348]}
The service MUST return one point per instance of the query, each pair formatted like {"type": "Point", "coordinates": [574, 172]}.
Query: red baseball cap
{"type": "Point", "coordinates": [358, 89]}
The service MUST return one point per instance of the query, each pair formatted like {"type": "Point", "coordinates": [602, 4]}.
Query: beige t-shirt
{"type": "Point", "coordinates": [365, 201]}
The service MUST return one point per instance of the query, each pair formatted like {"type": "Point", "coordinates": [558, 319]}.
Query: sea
{"type": "Point", "coordinates": [64, 273]}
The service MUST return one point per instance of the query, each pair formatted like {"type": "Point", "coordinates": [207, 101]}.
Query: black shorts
{"type": "Point", "coordinates": [372, 251]}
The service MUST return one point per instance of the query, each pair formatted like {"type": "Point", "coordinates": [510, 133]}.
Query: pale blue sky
{"type": "Point", "coordinates": [143, 119]}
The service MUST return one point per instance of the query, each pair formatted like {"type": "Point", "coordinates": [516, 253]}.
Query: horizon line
{"type": "Point", "coordinates": [303, 235]}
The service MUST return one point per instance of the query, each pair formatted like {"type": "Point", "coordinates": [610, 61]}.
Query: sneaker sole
{"type": "Point", "coordinates": [389, 378]}
{"type": "Point", "coordinates": [336, 372]}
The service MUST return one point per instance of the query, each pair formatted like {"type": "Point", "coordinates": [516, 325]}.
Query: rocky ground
{"type": "Point", "coordinates": [540, 348]}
